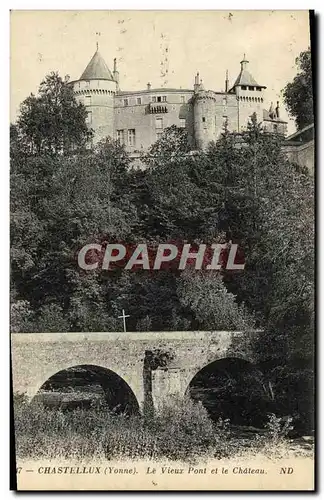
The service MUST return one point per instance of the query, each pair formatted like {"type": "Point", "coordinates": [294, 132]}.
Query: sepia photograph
{"type": "Point", "coordinates": [162, 250]}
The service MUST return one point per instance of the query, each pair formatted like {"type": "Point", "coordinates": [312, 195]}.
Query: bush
{"type": "Point", "coordinates": [183, 427]}
{"type": "Point", "coordinates": [180, 430]}
{"type": "Point", "coordinates": [278, 427]}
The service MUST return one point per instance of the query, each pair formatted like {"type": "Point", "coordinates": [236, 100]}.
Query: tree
{"type": "Point", "coordinates": [267, 211]}
{"type": "Point", "coordinates": [172, 146]}
{"type": "Point", "coordinates": [214, 308]}
{"type": "Point", "coordinates": [298, 94]}
{"type": "Point", "coordinates": [52, 122]}
{"type": "Point", "coordinates": [176, 195]}
{"type": "Point", "coordinates": [58, 204]}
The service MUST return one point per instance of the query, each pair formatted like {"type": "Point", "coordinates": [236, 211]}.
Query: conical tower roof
{"type": "Point", "coordinates": [97, 69]}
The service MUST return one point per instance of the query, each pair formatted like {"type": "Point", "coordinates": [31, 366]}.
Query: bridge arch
{"type": "Point", "coordinates": [232, 388]}
{"type": "Point", "coordinates": [117, 387]}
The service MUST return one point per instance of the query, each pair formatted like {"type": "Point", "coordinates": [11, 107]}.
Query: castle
{"type": "Point", "coordinates": [137, 118]}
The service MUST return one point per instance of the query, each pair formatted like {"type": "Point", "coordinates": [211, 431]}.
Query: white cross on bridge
{"type": "Point", "coordinates": [124, 316]}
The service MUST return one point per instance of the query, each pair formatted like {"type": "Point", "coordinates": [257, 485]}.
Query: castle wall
{"type": "Point", "coordinates": [229, 110]}
{"type": "Point", "coordinates": [140, 118]}
{"type": "Point", "coordinates": [274, 126]}
{"type": "Point", "coordinates": [302, 154]}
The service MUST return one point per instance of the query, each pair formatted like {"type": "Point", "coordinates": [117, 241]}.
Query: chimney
{"type": "Point", "coordinates": [116, 73]}
{"type": "Point", "coordinates": [277, 110]}
{"type": "Point", "coordinates": [149, 86]}
{"type": "Point", "coordinates": [271, 112]}
{"type": "Point", "coordinates": [226, 82]}
{"type": "Point", "coordinates": [196, 84]}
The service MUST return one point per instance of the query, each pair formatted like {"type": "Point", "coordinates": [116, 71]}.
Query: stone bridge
{"type": "Point", "coordinates": [38, 356]}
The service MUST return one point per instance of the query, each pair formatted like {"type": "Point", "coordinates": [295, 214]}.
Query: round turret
{"type": "Point", "coordinates": [204, 117]}
{"type": "Point", "coordinates": [96, 89]}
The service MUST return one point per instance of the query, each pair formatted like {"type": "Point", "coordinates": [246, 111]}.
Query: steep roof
{"type": "Point", "coordinates": [97, 69]}
{"type": "Point", "coordinates": [245, 77]}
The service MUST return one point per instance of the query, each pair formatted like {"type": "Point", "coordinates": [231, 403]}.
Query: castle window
{"type": "Point", "coordinates": [258, 89]}
{"type": "Point", "coordinates": [164, 98]}
{"type": "Point", "coordinates": [159, 99]}
{"type": "Point", "coordinates": [125, 102]}
{"type": "Point", "coordinates": [158, 135]}
{"type": "Point", "coordinates": [243, 87]}
{"type": "Point", "coordinates": [120, 136]}
{"type": "Point", "coordinates": [131, 137]}
{"type": "Point", "coordinates": [154, 98]}
{"type": "Point", "coordinates": [224, 101]}
{"type": "Point", "coordinates": [139, 100]}
{"type": "Point", "coordinates": [89, 117]}
{"type": "Point", "coordinates": [182, 99]}
{"type": "Point", "coordinates": [251, 88]}
{"type": "Point", "coordinates": [158, 122]}
{"type": "Point", "coordinates": [203, 119]}
{"type": "Point", "coordinates": [87, 100]}
{"type": "Point", "coordinates": [182, 122]}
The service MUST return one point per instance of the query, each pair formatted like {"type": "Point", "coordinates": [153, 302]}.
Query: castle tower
{"type": "Point", "coordinates": [204, 110]}
{"type": "Point", "coordinates": [249, 95]}
{"type": "Point", "coordinates": [96, 89]}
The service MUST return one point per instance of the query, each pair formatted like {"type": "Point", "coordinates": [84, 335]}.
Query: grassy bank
{"type": "Point", "coordinates": [180, 430]}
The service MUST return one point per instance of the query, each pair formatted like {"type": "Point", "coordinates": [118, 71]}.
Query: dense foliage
{"type": "Point", "coordinates": [181, 430]}
{"type": "Point", "coordinates": [298, 94]}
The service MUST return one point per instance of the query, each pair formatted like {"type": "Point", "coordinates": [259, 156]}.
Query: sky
{"type": "Point", "coordinates": [146, 43]}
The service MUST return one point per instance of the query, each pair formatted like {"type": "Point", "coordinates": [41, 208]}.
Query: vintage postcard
{"type": "Point", "coordinates": [162, 250]}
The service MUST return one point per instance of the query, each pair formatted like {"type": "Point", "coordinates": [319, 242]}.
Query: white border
{"type": "Point", "coordinates": [4, 170]}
